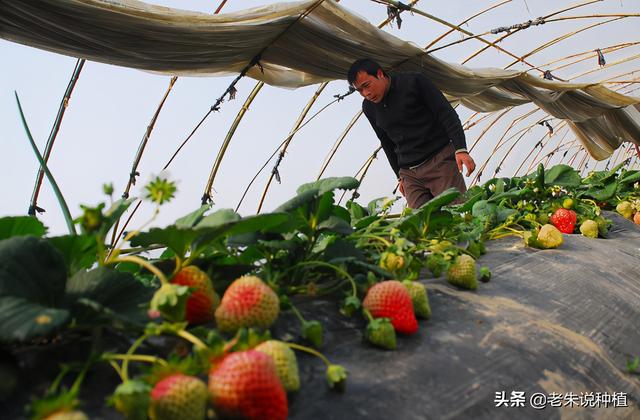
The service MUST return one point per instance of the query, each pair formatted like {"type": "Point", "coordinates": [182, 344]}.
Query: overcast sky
{"type": "Point", "coordinates": [112, 106]}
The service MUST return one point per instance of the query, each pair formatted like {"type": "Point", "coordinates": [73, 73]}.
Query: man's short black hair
{"type": "Point", "coordinates": [363, 64]}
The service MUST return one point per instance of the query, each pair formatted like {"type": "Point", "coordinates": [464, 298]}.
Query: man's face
{"type": "Point", "coordinates": [372, 88]}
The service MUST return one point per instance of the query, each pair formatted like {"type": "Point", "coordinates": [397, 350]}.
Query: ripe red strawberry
{"type": "Point", "coordinates": [245, 384]}
{"type": "Point", "coordinates": [564, 220]}
{"type": "Point", "coordinates": [390, 299]}
{"type": "Point", "coordinates": [247, 302]}
{"type": "Point", "coordinates": [179, 397]}
{"type": "Point", "coordinates": [203, 301]}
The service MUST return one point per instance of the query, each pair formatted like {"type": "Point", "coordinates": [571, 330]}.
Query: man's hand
{"type": "Point", "coordinates": [463, 158]}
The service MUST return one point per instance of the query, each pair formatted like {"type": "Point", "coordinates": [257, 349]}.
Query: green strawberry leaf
{"type": "Point", "coordinates": [219, 219]}
{"type": "Point", "coordinates": [336, 225]}
{"type": "Point", "coordinates": [298, 201]}
{"type": "Point", "coordinates": [503, 213]}
{"type": "Point", "coordinates": [376, 205]}
{"type": "Point", "coordinates": [418, 218]}
{"type": "Point", "coordinates": [485, 211]}
{"type": "Point", "coordinates": [562, 175]}
{"type": "Point", "coordinates": [440, 220]}
{"type": "Point", "coordinates": [603, 193]}
{"type": "Point", "coordinates": [258, 223]}
{"type": "Point", "coordinates": [113, 214]}
{"type": "Point", "coordinates": [629, 177]}
{"type": "Point", "coordinates": [21, 226]}
{"type": "Point", "coordinates": [356, 211]}
{"type": "Point", "coordinates": [79, 251]}
{"type": "Point", "coordinates": [32, 269]}
{"type": "Point", "coordinates": [193, 218]}
{"type": "Point", "coordinates": [174, 238]}
{"type": "Point", "coordinates": [365, 221]}
{"type": "Point", "coordinates": [340, 248]}
{"type": "Point", "coordinates": [22, 320]}
{"type": "Point", "coordinates": [475, 194]}
{"type": "Point", "coordinates": [324, 206]}
{"type": "Point", "coordinates": [105, 294]}
{"type": "Point", "coordinates": [329, 184]}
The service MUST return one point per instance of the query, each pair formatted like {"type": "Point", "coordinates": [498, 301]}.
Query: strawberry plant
{"type": "Point", "coordinates": [211, 286]}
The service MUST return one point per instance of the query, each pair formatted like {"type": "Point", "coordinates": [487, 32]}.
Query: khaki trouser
{"type": "Point", "coordinates": [430, 178]}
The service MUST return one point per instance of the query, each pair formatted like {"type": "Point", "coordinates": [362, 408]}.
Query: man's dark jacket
{"type": "Point", "coordinates": [414, 121]}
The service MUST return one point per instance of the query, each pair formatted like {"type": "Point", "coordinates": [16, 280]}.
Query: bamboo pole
{"type": "Point", "coordinates": [595, 16]}
{"type": "Point", "coordinates": [538, 50]}
{"type": "Point", "coordinates": [542, 146]}
{"type": "Point", "coordinates": [363, 170]}
{"type": "Point", "coordinates": [206, 196]}
{"type": "Point", "coordinates": [499, 144]}
{"type": "Point", "coordinates": [608, 66]}
{"type": "Point", "coordinates": [585, 55]}
{"type": "Point", "coordinates": [33, 205]}
{"type": "Point", "coordinates": [253, 62]}
{"type": "Point", "coordinates": [293, 133]}
{"type": "Point", "coordinates": [231, 87]}
{"type": "Point", "coordinates": [480, 51]}
{"type": "Point", "coordinates": [337, 144]}
{"type": "Point", "coordinates": [301, 118]}
{"type": "Point", "coordinates": [141, 148]}
{"type": "Point", "coordinates": [453, 28]}
{"type": "Point", "coordinates": [561, 38]}
{"type": "Point", "coordinates": [459, 29]}
{"type": "Point", "coordinates": [299, 121]}
{"type": "Point", "coordinates": [294, 129]}
{"type": "Point", "coordinates": [507, 35]}
{"type": "Point", "coordinates": [438, 39]}
{"type": "Point", "coordinates": [516, 142]}
{"type": "Point", "coordinates": [146, 137]}
{"type": "Point", "coordinates": [491, 124]}
{"type": "Point", "coordinates": [521, 133]}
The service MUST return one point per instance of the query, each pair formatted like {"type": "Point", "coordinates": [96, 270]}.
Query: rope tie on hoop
{"type": "Point", "coordinates": [524, 25]}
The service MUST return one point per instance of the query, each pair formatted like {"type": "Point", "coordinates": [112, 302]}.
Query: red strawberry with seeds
{"type": "Point", "coordinates": [247, 302]}
{"type": "Point", "coordinates": [390, 299]}
{"type": "Point", "coordinates": [564, 220]}
{"type": "Point", "coordinates": [179, 396]}
{"type": "Point", "coordinates": [245, 384]}
{"type": "Point", "coordinates": [203, 301]}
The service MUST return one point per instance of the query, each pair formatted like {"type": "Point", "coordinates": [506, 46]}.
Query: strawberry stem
{"type": "Point", "coordinates": [192, 339]}
{"type": "Point", "coordinates": [115, 251]}
{"type": "Point", "coordinates": [367, 314]}
{"type": "Point", "coordinates": [377, 238]}
{"type": "Point", "coordinates": [143, 263]}
{"type": "Point", "coordinates": [136, 358]}
{"type": "Point", "coordinates": [116, 367]}
{"type": "Point", "coordinates": [298, 314]}
{"type": "Point", "coordinates": [336, 269]}
{"type": "Point", "coordinates": [132, 349]}
{"type": "Point", "coordinates": [310, 351]}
